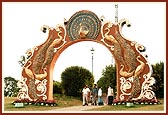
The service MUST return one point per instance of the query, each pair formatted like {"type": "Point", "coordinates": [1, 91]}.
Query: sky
{"type": "Point", "coordinates": [21, 23]}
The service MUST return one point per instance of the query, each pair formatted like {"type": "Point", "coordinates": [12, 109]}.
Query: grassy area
{"type": "Point", "coordinates": [139, 107]}
{"type": "Point", "coordinates": [62, 101]}
{"type": "Point", "coordinates": [65, 101]}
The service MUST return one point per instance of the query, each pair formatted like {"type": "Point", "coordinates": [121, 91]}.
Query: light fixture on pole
{"type": "Point", "coordinates": [92, 51]}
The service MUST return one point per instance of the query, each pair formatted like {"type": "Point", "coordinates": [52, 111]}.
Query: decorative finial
{"type": "Point", "coordinates": [65, 21]}
{"type": "Point", "coordinates": [102, 18]}
{"type": "Point", "coordinates": [44, 28]}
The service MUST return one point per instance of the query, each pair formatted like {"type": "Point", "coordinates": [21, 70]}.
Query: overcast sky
{"type": "Point", "coordinates": [22, 22]}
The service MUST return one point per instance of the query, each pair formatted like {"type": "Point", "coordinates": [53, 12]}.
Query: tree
{"type": "Point", "coordinates": [158, 74]}
{"type": "Point", "coordinates": [10, 86]}
{"type": "Point", "coordinates": [57, 89]}
{"type": "Point", "coordinates": [108, 78]}
{"type": "Point", "coordinates": [73, 80]}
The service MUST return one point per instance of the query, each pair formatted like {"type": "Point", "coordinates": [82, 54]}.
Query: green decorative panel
{"type": "Point", "coordinates": [89, 22]}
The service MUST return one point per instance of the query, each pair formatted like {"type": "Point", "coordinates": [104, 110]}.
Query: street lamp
{"type": "Point", "coordinates": [92, 51]}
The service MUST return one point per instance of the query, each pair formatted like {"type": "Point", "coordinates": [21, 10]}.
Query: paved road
{"type": "Point", "coordinates": [75, 108]}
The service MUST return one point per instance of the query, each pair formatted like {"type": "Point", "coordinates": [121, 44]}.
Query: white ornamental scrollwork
{"type": "Point", "coordinates": [41, 87]}
{"type": "Point", "coordinates": [146, 90]}
{"type": "Point", "coordinates": [139, 48]}
{"type": "Point", "coordinates": [29, 54]}
{"type": "Point", "coordinates": [126, 84]}
{"type": "Point", "coordinates": [23, 92]}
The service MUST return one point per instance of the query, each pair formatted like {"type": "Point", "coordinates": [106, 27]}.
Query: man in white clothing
{"type": "Point", "coordinates": [85, 95]}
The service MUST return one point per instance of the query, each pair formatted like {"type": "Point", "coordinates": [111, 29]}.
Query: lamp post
{"type": "Point", "coordinates": [92, 51]}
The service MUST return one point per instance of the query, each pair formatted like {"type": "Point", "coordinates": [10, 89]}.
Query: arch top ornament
{"type": "Point", "coordinates": [133, 69]}
{"type": "Point", "coordinates": [83, 24]}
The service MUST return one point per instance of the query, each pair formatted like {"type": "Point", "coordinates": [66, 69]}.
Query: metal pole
{"type": "Point", "coordinates": [92, 50]}
{"type": "Point", "coordinates": [116, 13]}
{"type": "Point", "coordinates": [92, 63]}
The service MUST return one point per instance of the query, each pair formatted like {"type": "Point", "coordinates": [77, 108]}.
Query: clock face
{"type": "Point", "coordinates": [89, 22]}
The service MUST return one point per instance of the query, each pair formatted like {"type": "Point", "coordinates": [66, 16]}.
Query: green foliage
{"type": "Point", "coordinates": [73, 80]}
{"type": "Point", "coordinates": [108, 78]}
{"type": "Point", "coordinates": [158, 74]}
{"type": "Point", "coordinates": [10, 88]}
{"type": "Point", "coordinates": [57, 89]}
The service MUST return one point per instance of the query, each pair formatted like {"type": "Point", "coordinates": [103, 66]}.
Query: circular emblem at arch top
{"type": "Point", "coordinates": [89, 22]}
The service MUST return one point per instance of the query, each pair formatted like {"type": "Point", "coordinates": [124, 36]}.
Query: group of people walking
{"type": "Point", "coordinates": [95, 95]}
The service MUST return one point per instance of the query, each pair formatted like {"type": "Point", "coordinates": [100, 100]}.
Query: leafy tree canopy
{"type": "Point", "coordinates": [10, 86]}
{"type": "Point", "coordinates": [73, 80]}
{"type": "Point", "coordinates": [158, 74]}
{"type": "Point", "coordinates": [108, 78]}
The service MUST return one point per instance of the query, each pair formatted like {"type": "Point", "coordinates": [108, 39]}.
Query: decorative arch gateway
{"type": "Point", "coordinates": [133, 70]}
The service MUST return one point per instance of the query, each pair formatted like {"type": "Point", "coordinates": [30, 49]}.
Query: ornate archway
{"type": "Point", "coordinates": [133, 70]}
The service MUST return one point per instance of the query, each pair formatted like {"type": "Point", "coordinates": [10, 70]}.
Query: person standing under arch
{"type": "Point", "coordinates": [85, 95]}
{"type": "Point", "coordinates": [94, 94]}
{"type": "Point", "coordinates": [100, 100]}
{"type": "Point", "coordinates": [110, 95]}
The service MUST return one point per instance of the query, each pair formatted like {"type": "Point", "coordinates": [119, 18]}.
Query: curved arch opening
{"type": "Point", "coordinates": [79, 54]}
